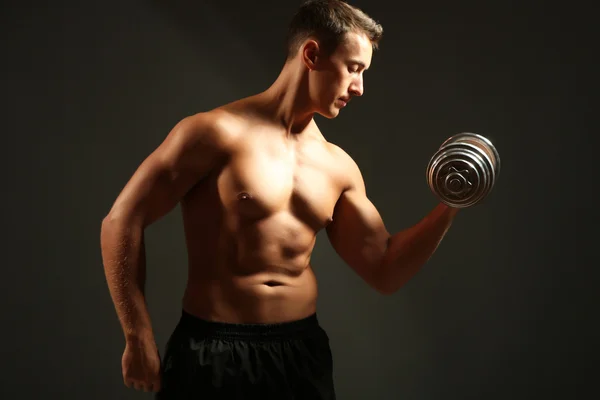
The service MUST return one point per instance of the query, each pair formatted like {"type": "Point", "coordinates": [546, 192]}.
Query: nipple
{"type": "Point", "coordinates": [244, 196]}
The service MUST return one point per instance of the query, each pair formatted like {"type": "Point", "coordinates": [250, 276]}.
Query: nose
{"type": "Point", "coordinates": [357, 88]}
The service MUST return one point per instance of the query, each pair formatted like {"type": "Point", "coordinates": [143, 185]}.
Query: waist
{"type": "Point", "coordinates": [251, 299]}
{"type": "Point", "coordinates": [201, 327]}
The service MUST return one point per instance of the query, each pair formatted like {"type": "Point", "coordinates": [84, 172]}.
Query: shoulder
{"type": "Point", "coordinates": [349, 171]}
{"type": "Point", "coordinates": [346, 170]}
{"type": "Point", "coordinates": [216, 129]}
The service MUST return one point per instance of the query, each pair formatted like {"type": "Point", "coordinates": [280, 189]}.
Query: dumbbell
{"type": "Point", "coordinates": [463, 171]}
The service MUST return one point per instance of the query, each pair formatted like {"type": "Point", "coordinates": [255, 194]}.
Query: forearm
{"type": "Point", "coordinates": [407, 251]}
{"type": "Point", "coordinates": [123, 255]}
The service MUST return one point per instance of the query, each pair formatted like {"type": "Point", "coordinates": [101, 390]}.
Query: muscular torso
{"type": "Point", "coordinates": [251, 226]}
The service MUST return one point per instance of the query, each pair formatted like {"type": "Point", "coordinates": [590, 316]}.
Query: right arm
{"type": "Point", "coordinates": [192, 148]}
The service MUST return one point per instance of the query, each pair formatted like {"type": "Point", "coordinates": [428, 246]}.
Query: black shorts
{"type": "Point", "coordinates": [214, 360]}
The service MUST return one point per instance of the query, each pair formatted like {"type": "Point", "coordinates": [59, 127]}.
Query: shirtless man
{"type": "Point", "coordinates": [257, 181]}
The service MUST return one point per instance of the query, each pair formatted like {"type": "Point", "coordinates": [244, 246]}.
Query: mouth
{"type": "Point", "coordinates": [343, 101]}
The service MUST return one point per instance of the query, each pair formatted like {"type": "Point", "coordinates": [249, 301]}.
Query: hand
{"type": "Point", "coordinates": [141, 365]}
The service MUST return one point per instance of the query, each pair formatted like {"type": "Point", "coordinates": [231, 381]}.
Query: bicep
{"type": "Point", "coordinates": [165, 176]}
{"type": "Point", "coordinates": [357, 233]}
{"type": "Point", "coordinates": [150, 193]}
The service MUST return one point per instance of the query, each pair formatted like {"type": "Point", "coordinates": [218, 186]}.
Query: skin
{"type": "Point", "coordinates": [257, 181]}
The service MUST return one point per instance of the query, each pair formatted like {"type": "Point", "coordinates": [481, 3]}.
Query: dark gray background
{"type": "Point", "coordinates": [504, 310]}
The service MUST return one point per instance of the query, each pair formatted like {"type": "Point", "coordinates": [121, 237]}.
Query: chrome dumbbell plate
{"type": "Point", "coordinates": [464, 170]}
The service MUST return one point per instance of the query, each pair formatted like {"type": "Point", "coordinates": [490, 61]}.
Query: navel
{"type": "Point", "coordinates": [273, 283]}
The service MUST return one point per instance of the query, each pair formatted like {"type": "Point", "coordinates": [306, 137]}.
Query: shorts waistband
{"type": "Point", "coordinates": [270, 331]}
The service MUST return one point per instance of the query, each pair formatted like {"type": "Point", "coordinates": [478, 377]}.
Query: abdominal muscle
{"type": "Point", "coordinates": [257, 273]}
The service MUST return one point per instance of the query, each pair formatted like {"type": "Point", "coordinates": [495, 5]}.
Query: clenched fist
{"type": "Point", "coordinates": [141, 365]}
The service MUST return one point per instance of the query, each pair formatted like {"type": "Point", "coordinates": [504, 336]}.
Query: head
{"type": "Point", "coordinates": [334, 42]}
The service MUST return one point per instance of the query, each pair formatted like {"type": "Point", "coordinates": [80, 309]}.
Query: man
{"type": "Point", "coordinates": [256, 181]}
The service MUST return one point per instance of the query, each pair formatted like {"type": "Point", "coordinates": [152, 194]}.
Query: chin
{"type": "Point", "coordinates": [331, 113]}
{"type": "Point", "coordinates": [329, 116]}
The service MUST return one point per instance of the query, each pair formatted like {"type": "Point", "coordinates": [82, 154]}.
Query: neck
{"type": "Point", "coordinates": [287, 99]}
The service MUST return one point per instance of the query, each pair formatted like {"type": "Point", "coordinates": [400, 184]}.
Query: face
{"type": "Point", "coordinates": [336, 78]}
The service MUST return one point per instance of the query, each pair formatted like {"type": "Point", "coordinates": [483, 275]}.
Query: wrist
{"type": "Point", "coordinates": [448, 210]}
{"type": "Point", "coordinates": [140, 336]}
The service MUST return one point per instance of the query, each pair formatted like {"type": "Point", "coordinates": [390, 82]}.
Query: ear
{"type": "Point", "coordinates": [310, 54]}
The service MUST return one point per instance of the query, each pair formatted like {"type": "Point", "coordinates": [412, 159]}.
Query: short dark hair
{"type": "Point", "coordinates": [329, 21]}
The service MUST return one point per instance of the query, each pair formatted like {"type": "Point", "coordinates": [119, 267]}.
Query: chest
{"type": "Point", "coordinates": [265, 180]}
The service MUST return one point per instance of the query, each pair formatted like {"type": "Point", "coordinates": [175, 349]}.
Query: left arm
{"type": "Point", "coordinates": [385, 261]}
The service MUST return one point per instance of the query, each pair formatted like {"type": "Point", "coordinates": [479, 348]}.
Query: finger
{"type": "Point", "coordinates": [156, 386]}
